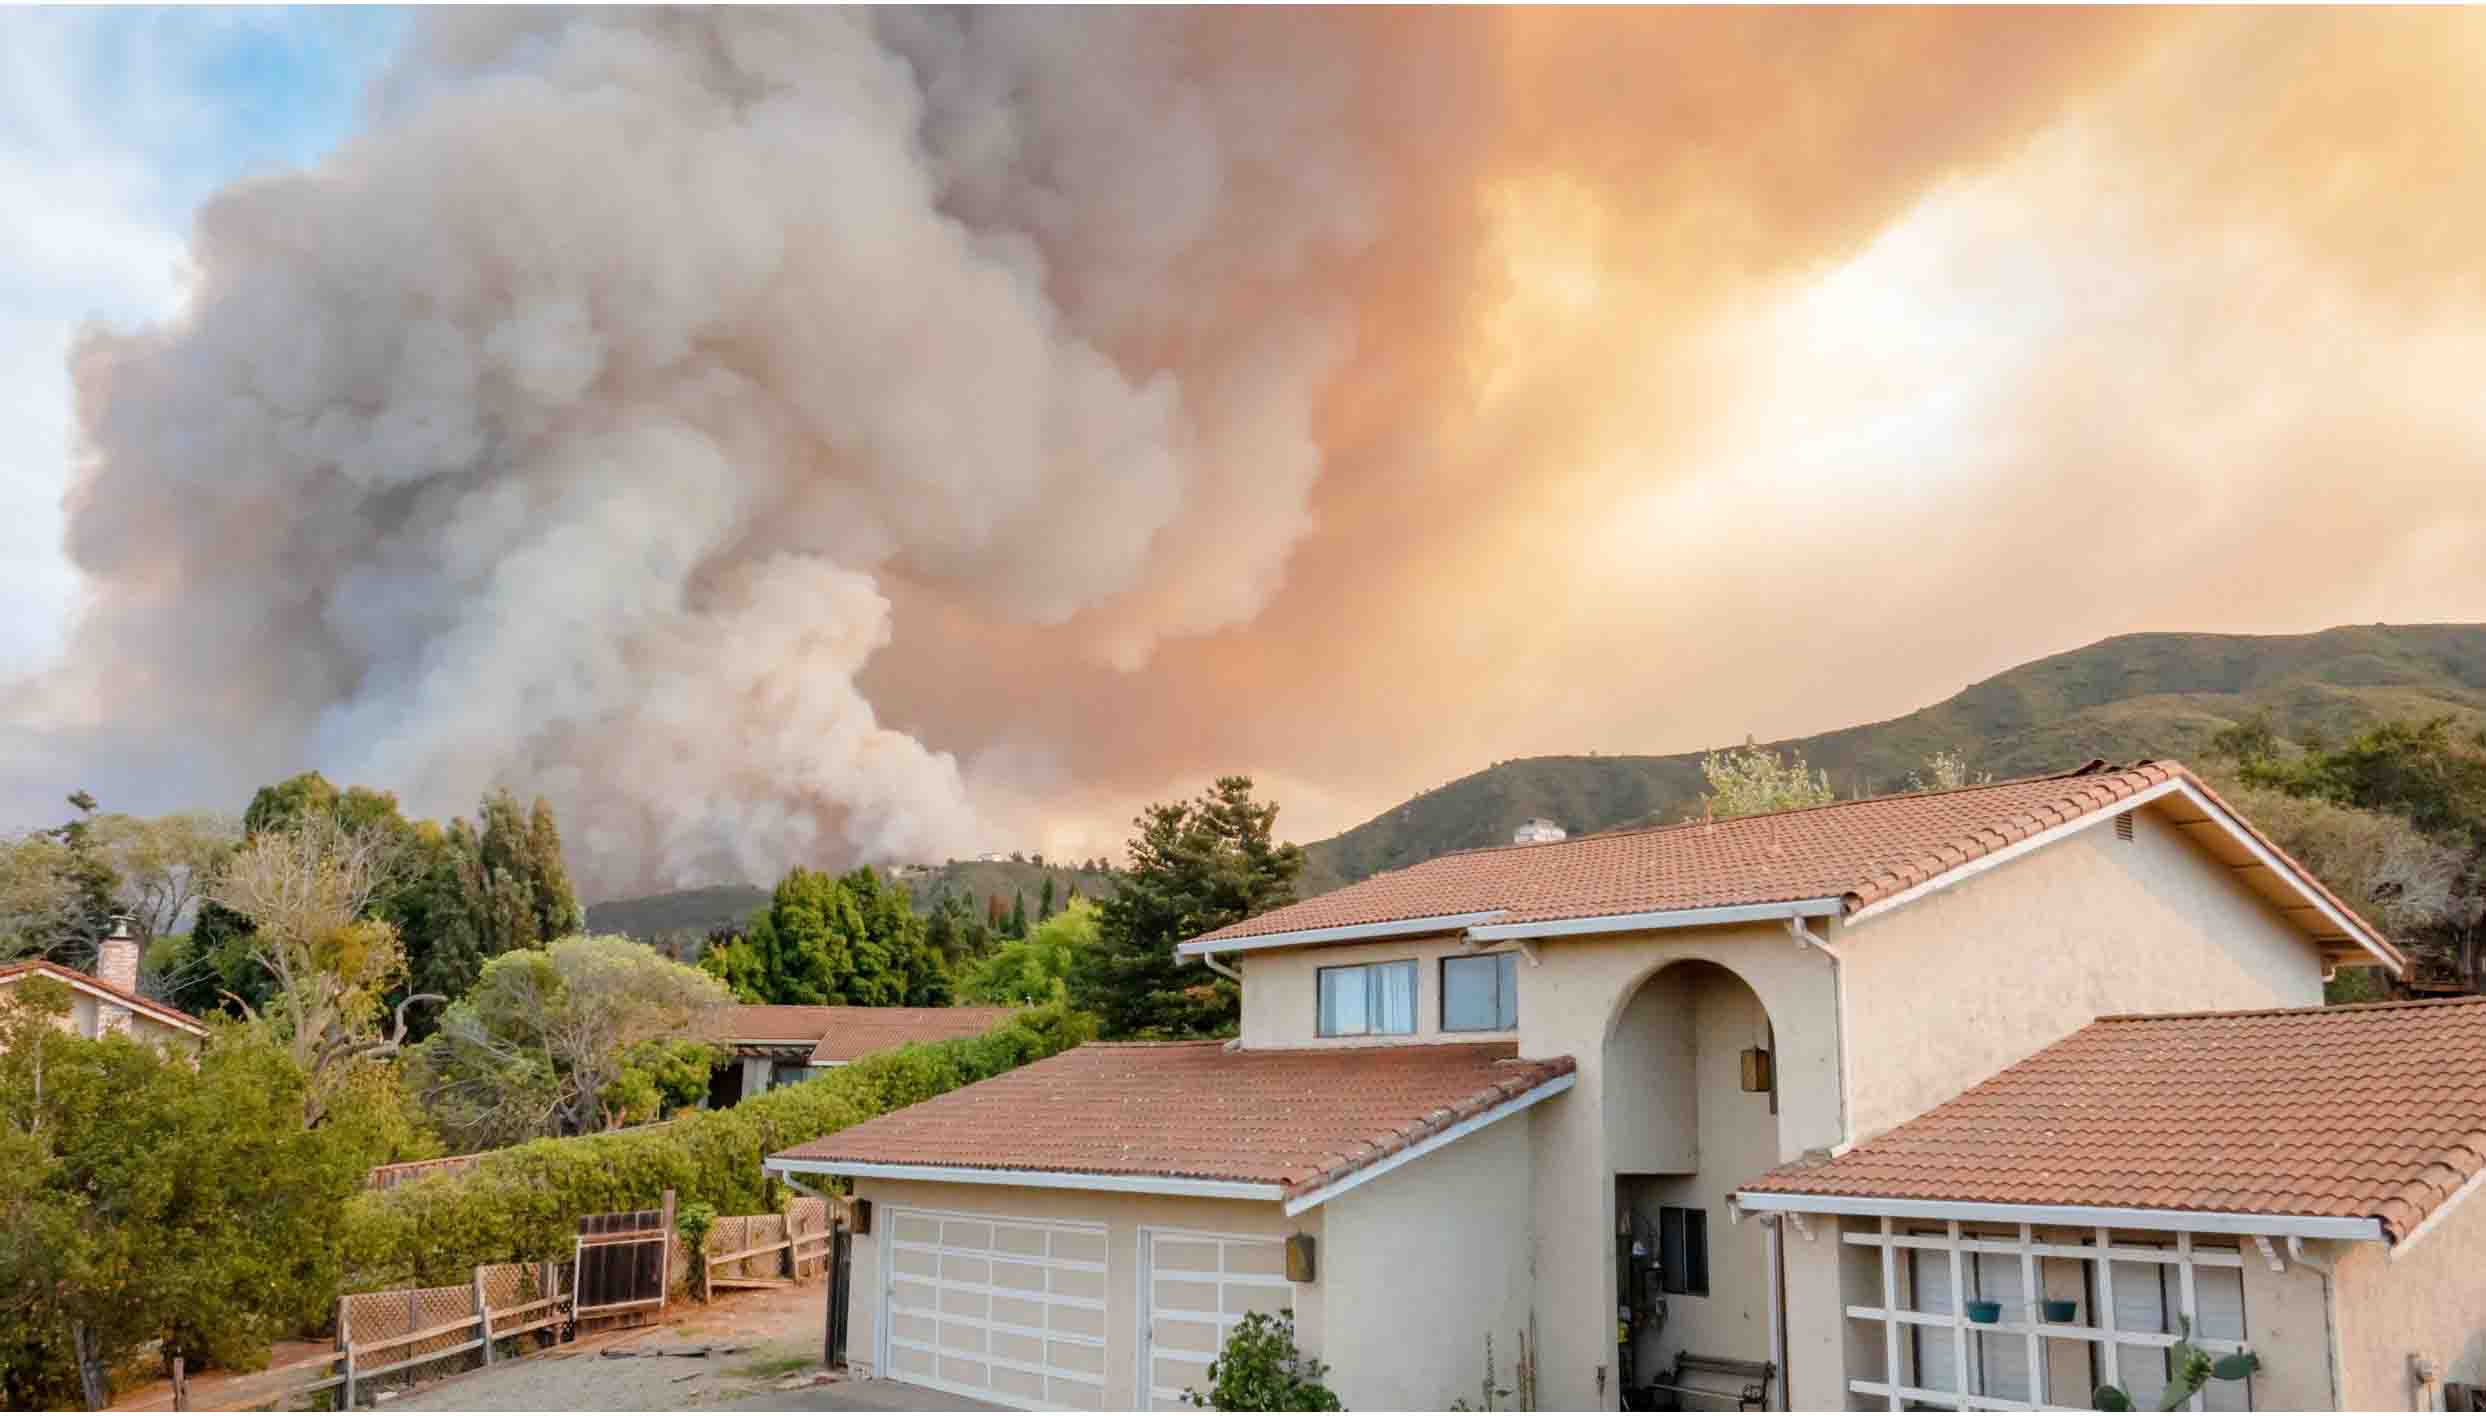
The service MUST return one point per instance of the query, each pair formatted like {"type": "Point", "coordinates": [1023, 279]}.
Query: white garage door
{"type": "Point", "coordinates": [1002, 1310]}
{"type": "Point", "coordinates": [1199, 1286]}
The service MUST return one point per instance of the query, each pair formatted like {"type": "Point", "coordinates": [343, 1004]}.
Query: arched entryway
{"type": "Point", "coordinates": [1692, 1112]}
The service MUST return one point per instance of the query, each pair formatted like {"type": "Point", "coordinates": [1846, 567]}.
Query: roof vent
{"type": "Point", "coordinates": [1536, 832]}
{"type": "Point", "coordinates": [2123, 825]}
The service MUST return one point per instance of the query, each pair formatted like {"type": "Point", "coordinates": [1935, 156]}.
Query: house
{"type": "Point", "coordinates": [1621, 1097]}
{"type": "Point", "coordinates": [108, 1000]}
{"type": "Point", "coordinates": [777, 1044]}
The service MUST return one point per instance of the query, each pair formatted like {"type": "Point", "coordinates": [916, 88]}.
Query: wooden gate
{"type": "Point", "coordinates": [622, 1260]}
{"type": "Point", "coordinates": [841, 1283]}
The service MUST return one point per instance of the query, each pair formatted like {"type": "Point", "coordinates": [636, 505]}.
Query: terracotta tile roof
{"type": "Point", "coordinates": [842, 1033]}
{"type": "Point", "coordinates": [2376, 1110]}
{"type": "Point", "coordinates": [1855, 851]}
{"type": "Point", "coordinates": [1294, 1118]}
{"type": "Point", "coordinates": [162, 1012]}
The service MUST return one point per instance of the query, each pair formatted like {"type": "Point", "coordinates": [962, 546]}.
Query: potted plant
{"type": "Point", "coordinates": [1981, 1310]}
{"type": "Point", "coordinates": [2193, 1369]}
{"type": "Point", "coordinates": [2061, 1310]}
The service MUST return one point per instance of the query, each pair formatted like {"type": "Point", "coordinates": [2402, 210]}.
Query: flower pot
{"type": "Point", "coordinates": [2061, 1310]}
{"type": "Point", "coordinates": [1984, 1312]}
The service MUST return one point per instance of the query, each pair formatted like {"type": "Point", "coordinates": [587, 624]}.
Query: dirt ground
{"type": "Point", "coordinates": [780, 1329]}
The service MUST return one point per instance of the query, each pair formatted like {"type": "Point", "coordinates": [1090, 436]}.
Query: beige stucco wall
{"type": "Point", "coordinates": [1281, 992]}
{"type": "Point", "coordinates": [1738, 1139]}
{"type": "Point", "coordinates": [1947, 990]}
{"type": "Point", "coordinates": [1122, 1214]}
{"type": "Point", "coordinates": [2429, 1302]}
{"type": "Point", "coordinates": [85, 1019]}
{"type": "Point", "coordinates": [1571, 1004]}
{"type": "Point", "coordinates": [1422, 1264]}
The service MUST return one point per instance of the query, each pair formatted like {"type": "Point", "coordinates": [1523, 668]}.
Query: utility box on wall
{"type": "Point", "coordinates": [1299, 1267]}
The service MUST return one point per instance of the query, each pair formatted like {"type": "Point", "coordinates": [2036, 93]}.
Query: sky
{"type": "Point", "coordinates": [800, 438]}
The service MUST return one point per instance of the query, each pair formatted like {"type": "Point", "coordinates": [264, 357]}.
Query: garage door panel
{"type": "Point", "coordinates": [976, 1306]}
{"type": "Point", "coordinates": [1199, 1287]}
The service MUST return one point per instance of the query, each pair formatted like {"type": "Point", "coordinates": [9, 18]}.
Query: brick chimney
{"type": "Point", "coordinates": [116, 963]}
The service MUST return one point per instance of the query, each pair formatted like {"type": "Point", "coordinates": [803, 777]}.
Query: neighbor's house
{"type": "Point", "coordinates": [776, 1045]}
{"type": "Point", "coordinates": [1531, 1090]}
{"type": "Point", "coordinates": [108, 1000]}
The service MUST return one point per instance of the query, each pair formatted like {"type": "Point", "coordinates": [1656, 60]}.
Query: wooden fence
{"type": "Point", "coordinates": [769, 1250]}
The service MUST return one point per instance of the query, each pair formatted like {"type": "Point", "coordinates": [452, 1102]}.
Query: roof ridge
{"type": "Point", "coordinates": [2081, 773]}
{"type": "Point", "coordinates": [2327, 1009]}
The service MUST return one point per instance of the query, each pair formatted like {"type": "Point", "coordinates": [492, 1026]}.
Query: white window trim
{"type": "Point", "coordinates": [1371, 967]}
{"type": "Point", "coordinates": [2105, 1253]}
{"type": "Point", "coordinates": [1441, 987]}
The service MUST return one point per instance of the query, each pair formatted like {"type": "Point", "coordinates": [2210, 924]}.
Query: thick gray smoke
{"type": "Point", "coordinates": [567, 428]}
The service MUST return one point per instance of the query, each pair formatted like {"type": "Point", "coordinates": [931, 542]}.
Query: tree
{"type": "Point", "coordinates": [583, 1035]}
{"type": "Point", "coordinates": [57, 890]}
{"type": "Point", "coordinates": [307, 890]}
{"type": "Point", "coordinates": [955, 933]}
{"type": "Point", "coordinates": [1036, 969]}
{"type": "Point", "coordinates": [1017, 927]}
{"type": "Point", "coordinates": [1194, 866]}
{"type": "Point", "coordinates": [1751, 779]}
{"type": "Point", "coordinates": [826, 939]}
{"type": "Point", "coordinates": [1945, 771]}
{"type": "Point", "coordinates": [1044, 902]}
{"type": "Point", "coordinates": [154, 1198]}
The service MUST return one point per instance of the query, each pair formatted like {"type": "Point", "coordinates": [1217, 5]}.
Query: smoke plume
{"type": "Point", "coordinates": [810, 436]}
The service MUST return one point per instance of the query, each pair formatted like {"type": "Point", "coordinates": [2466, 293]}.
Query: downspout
{"type": "Point", "coordinates": [2330, 1314]}
{"type": "Point", "coordinates": [1221, 970]}
{"type": "Point", "coordinates": [1803, 935]}
{"type": "Point", "coordinates": [1775, 1242]}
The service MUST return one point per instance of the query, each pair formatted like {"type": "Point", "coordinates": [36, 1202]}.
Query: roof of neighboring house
{"type": "Point", "coordinates": [2367, 1111]}
{"type": "Point", "coordinates": [1854, 852]}
{"type": "Point", "coordinates": [1296, 1120]}
{"type": "Point", "coordinates": [844, 1033]}
{"type": "Point", "coordinates": [164, 1013]}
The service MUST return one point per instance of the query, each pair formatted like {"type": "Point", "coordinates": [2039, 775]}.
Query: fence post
{"type": "Point", "coordinates": [483, 1314]}
{"type": "Point", "coordinates": [345, 1339]}
{"type": "Point", "coordinates": [181, 1384]}
{"type": "Point", "coordinates": [664, 1259]}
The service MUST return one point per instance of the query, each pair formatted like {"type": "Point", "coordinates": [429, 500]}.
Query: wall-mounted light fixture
{"type": "Point", "coordinates": [1299, 1267]}
{"type": "Point", "coordinates": [1757, 1076]}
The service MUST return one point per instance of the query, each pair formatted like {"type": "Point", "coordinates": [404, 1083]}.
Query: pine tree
{"type": "Point", "coordinates": [1044, 902]}
{"type": "Point", "coordinates": [1195, 866]}
{"type": "Point", "coordinates": [1017, 927]}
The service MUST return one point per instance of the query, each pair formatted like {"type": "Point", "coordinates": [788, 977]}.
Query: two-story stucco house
{"type": "Point", "coordinates": [1798, 1092]}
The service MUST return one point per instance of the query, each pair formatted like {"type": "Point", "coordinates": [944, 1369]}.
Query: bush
{"type": "Point", "coordinates": [1261, 1369]}
{"type": "Point", "coordinates": [522, 1205]}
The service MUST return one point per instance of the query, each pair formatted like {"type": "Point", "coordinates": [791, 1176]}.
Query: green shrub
{"type": "Point", "coordinates": [1261, 1369]}
{"type": "Point", "coordinates": [522, 1204]}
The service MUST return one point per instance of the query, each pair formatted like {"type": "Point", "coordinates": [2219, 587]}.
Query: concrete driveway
{"type": "Point", "coordinates": [857, 1396]}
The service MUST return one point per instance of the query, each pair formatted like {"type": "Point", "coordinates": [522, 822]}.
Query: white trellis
{"type": "Point", "coordinates": [2106, 1338]}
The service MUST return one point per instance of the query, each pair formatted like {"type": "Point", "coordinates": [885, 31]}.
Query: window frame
{"type": "Point", "coordinates": [1694, 1243]}
{"type": "Point", "coordinates": [1506, 968]}
{"type": "Point", "coordinates": [1372, 998]}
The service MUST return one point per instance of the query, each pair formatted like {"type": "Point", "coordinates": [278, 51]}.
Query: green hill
{"type": "Point", "coordinates": [2137, 695]}
{"type": "Point", "coordinates": [679, 920]}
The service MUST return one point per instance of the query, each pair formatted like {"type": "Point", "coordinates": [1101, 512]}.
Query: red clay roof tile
{"type": "Point", "coordinates": [1295, 1118]}
{"type": "Point", "coordinates": [842, 1033]}
{"type": "Point", "coordinates": [1855, 851]}
{"type": "Point", "coordinates": [2373, 1110]}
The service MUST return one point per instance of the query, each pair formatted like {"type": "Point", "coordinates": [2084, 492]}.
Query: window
{"type": "Point", "coordinates": [1369, 999]}
{"type": "Point", "coordinates": [1480, 994]}
{"type": "Point", "coordinates": [1683, 1250]}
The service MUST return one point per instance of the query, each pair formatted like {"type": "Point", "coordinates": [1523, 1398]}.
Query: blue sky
{"type": "Point", "coordinates": [114, 126]}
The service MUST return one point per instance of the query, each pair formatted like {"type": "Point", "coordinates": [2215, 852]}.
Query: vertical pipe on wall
{"type": "Point", "coordinates": [1773, 1238]}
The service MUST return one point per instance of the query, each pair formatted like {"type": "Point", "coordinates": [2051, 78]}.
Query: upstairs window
{"type": "Point", "coordinates": [1480, 994]}
{"type": "Point", "coordinates": [1364, 1000]}
{"type": "Point", "coordinates": [1683, 1250]}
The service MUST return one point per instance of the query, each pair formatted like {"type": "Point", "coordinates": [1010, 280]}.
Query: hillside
{"type": "Point", "coordinates": [680, 918]}
{"type": "Point", "coordinates": [2137, 695]}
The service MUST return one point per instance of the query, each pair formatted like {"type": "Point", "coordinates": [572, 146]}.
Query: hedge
{"type": "Point", "coordinates": [522, 1204]}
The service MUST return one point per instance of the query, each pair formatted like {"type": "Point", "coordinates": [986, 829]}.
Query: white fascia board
{"type": "Point", "coordinates": [1656, 919]}
{"type": "Point", "coordinates": [2081, 1216]}
{"type": "Point", "coordinates": [2450, 1202]}
{"type": "Point", "coordinates": [2295, 877]}
{"type": "Point", "coordinates": [1431, 1143]}
{"type": "Point", "coordinates": [1338, 934]}
{"type": "Point", "coordinates": [1970, 871]}
{"type": "Point", "coordinates": [1034, 1179]}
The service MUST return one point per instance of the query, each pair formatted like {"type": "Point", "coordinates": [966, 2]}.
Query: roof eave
{"type": "Point", "coordinates": [1338, 934]}
{"type": "Point", "coordinates": [2361, 1229]}
{"type": "Point", "coordinates": [1035, 1179]}
{"type": "Point", "coordinates": [1812, 908]}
